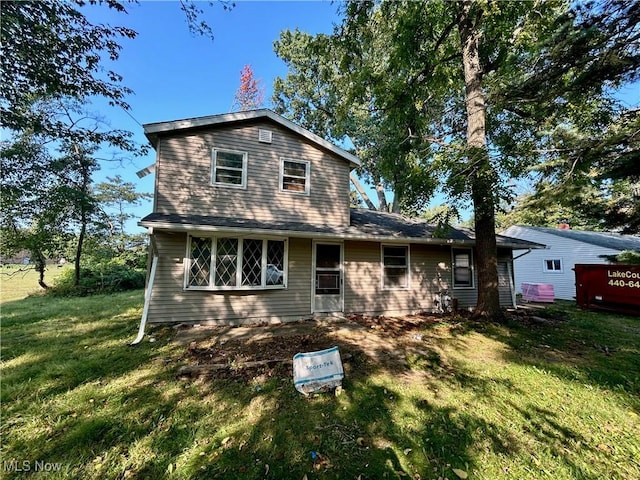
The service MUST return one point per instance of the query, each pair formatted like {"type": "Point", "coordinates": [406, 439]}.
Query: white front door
{"type": "Point", "coordinates": [328, 291]}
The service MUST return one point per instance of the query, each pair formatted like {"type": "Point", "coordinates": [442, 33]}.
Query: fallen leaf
{"type": "Point", "coordinates": [407, 451]}
{"type": "Point", "coordinates": [460, 473]}
{"type": "Point", "coordinates": [266, 469]}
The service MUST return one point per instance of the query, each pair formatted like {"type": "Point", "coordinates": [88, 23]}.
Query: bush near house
{"type": "Point", "coordinates": [558, 397]}
{"type": "Point", "coordinates": [99, 278]}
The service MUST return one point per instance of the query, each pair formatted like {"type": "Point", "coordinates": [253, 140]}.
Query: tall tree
{"type": "Point", "coordinates": [250, 93]}
{"type": "Point", "coordinates": [33, 213]}
{"type": "Point", "coordinates": [115, 197]}
{"type": "Point", "coordinates": [450, 75]}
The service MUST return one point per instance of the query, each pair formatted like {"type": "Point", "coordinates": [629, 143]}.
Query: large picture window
{"type": "Point", "coordinates": [462, 268]}
{"type": "Point", "coordinates": [229, 168]}
{"type": "Point", "coordinates": [229, 263]}
{"type": "Point", "coordinates": [294, 175]}
{"type": "Point", "coordinates": [395, 266]}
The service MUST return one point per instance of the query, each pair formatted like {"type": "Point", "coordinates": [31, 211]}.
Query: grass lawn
{"type": "Point", "coordinates": [557, 400]}
{"type": "Point", "coordinates": [19, 281]}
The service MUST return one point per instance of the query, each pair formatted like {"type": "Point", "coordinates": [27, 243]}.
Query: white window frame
{"type": "Point", "coordinates": [214, 168]}
{"type": "Point", "coordinates": [238, 286]}
{"type": "Point", "coordinates": [453, 268]}
{"type": "Point", "coordinates": [382, 266]}
{"type": "Point", "coordinates": [307, 177]}
{"type": "Point", "coordinates": [552, 271]}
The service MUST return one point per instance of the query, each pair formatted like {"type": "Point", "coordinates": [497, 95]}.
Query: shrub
{"type": "Point", "coordinates": [99, 278]}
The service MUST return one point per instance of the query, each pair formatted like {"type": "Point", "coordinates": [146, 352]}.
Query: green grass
{"type": "Point", "coordinates": [20, 281]}
{"type": "Point", "coordinates": [558, 401]}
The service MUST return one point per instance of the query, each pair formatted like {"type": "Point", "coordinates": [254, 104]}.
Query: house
{"type": "Point", "coordinates": [251, 222]}
{"type": "Point", "coordinates": [565, 247]}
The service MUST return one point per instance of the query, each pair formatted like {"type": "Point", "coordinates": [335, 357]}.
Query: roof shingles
{"type": "Point", "coordinates": [365, 225]}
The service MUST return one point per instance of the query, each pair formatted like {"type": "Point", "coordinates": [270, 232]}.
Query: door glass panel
{"type": "Point", "coordinates": [327, 256]}
{"type": "Point", "coordinates": [328, 272]}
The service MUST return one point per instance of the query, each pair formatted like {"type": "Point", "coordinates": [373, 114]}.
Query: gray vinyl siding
{"type": "Point", "coordinates": [529, 267]}
{"type": "Point", "coordinates": [468, 297]}
{"type": "Point", "coordinates": [170, 302]}
{"type": "Point", "coordinates": [429, 271]}
{"type": "Point", "coordinates": [184, 177]}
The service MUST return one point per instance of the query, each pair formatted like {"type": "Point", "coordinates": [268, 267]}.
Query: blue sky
{"type": "Point", "coordinates": [175, 74]}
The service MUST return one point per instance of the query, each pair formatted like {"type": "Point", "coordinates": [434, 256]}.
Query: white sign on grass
{"type": "Point", "coordinates": [314, 371]}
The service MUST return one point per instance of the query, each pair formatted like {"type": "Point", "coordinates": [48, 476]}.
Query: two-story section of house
{"type": "Point", "coordinates": [252, 223]}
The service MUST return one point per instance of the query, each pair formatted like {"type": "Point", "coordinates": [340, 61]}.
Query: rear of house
{"type": "Point", "coordinates": [252, 224]}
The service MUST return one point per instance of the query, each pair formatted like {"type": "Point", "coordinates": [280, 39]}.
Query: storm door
{"type": "Point", "coordinates": [328, 293]}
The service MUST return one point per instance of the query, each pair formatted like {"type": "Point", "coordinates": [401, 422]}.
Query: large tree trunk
{"type": "Point", "coordinates": [482, 174]}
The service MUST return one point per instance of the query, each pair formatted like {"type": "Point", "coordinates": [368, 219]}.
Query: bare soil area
{"type": "Point", "coordinates": [369, 342]}
{"type": "Point", "coordinates": [266, 351]}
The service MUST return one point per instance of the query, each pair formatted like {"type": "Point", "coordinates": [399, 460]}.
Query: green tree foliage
{"type": "Point", "coordinates": [50, 50]}
{"type": "Point", "coordinates": [116, 197]}
{"type": "Point", "coordinates": [33, 208]}
{"type": "Point", "coordinates": [473, 93]}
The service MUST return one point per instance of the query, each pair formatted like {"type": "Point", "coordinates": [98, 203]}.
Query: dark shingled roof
{"type": "Point", "coordinates": [615, 241]}
{"type": "Point", "coordinates": [365, 225]}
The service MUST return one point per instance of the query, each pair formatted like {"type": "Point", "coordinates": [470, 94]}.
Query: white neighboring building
{"type": "Point", "coordinates": [565, 248]}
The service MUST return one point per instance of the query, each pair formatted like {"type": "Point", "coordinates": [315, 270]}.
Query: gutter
{"type": "Point", "coordinates": [192, 228]}
{"type": "Point", "coordinates": [148, 291]}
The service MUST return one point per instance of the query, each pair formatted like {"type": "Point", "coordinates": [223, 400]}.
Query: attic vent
{"type": "Point", "coordinates": [264, 136]}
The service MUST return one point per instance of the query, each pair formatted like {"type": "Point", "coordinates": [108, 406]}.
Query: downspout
{"type": "Point", "coordinates": [512, 283]}
{"type": "Point", "coordinates": [149, 289]}
{"type": "Point", "coordinates": [512, 276]}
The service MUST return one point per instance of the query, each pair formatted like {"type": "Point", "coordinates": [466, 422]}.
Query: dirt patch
{"type": "Point", "coordinates": [262, 352]}
{"type": "Point", "coordinates": [397, 344]}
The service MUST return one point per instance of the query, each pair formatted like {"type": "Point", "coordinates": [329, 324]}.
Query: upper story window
{"type": "Point", "coordinates": [395, 266]}
{"type": "Point", "coordinates": [231, 263]}
{"type": "Point", "coordinates": [462, 268]}
{"type": "Point", "coordinates": [229, 168]}
{"type": "Point", "coordinates": [552, 265]}
{"type": "Point", "coordinates": [294, 175]}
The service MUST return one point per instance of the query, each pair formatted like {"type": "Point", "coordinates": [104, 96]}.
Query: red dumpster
{"type": "Point", "coordinates": [609, 287]}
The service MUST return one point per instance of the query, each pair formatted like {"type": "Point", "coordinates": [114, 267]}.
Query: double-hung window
{"type": "Point", "coordinates": [229, 168]}
{"type": "Point", "coordinates": [553, 265]}
{"type": "Point", "coordinates": [462, 268]}
{"type": "Point", "coordinates": [230, 263]}
{"type": "Point", "coordinates": [294, 176]}
{"type": "Point", "coordinates": [395, 266]}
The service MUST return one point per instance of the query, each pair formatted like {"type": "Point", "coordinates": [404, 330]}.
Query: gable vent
{"type": "Point", "coordinates": [265, 136]}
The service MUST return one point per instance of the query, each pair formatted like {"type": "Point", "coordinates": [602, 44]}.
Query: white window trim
{"type": "Point", "coordinates": [453, 269]}
{"type": "Point", "coordinates": [555, 272]}
{"type": "Point", "coordinates": [214, 167]}
{"type": "Point", "coordinates": [307, 178]}
{"type": "Point", "coordinates": [238, 286]}
{"type": "Point", "coordinates": [408, 285]}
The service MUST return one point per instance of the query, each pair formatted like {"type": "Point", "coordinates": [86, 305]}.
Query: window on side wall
{"type": "Point", "coordinates": [229, 168]}
{"type": "Point", "coordinates": [230, 263]}
{"type": "Point", "coordinates": [294, 176]}
{"type": "Point", "coordinates": [395, 266]}
{"type": "Point", "coordinates": [552, 265]}
{"type": "Point", "coordinates": [462, 268]}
